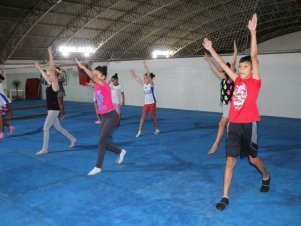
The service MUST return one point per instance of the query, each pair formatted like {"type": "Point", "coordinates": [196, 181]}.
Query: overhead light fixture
{"type": "Point", "coordinates": [85, 50]}
{"type": "Point", "coordinates": [65, 54]}
{"type": "Point", "coordinates": [162, 53]}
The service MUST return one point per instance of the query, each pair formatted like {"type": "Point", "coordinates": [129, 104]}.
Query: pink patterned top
{"type": "Point", "coordinates": [103, 98]}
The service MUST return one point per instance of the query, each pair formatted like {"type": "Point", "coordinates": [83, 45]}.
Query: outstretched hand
{"type": "Point", "coordinates": [133, 72]}
{"type": "Point", "coordinates": [253, 23]}
{"type": "Point", "coordinates": [80, 65]}
{"type": "Point", "coordinates": [207, 44]}
{"type": "Point", "coordinates": [37, 65]}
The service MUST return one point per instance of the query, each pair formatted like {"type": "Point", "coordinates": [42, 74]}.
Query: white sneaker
{"type": "Point", "coordinates": [94, 171]}
{"type": "Point", "coordinates": [121, 157]}
{"type": "Point", "coordinates": [97, 122]}
{"type": "Point", "coordinates": [73, 142]}
{"type": "Point", "coordinates": [157, 131]}
{"type": "Point", "coordinates": [43, 151]}
{"type": "Point", "coordinates": [138, 134]}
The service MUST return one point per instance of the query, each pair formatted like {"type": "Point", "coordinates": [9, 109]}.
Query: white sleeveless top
{"type": "Point", "coordinates": [149, 96]}
{"type": "Point", "coordinates": [116, 93]}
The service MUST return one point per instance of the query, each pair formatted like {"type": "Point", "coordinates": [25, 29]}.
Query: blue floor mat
{"type": "Point", "coordinates": [166, 179]}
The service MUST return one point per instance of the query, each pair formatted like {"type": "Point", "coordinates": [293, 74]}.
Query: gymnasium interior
{"type": "Point", "coordinates": [166, 179]}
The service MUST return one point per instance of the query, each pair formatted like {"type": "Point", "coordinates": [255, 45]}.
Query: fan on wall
{"type": "Point", "coordinates": [16, 83]}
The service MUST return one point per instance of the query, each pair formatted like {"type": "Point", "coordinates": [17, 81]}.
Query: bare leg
{"type": "Point", "coordinates": [155, 122]}
{"type": "Point", "coordinates": [221, 127]}
{"type": "Point", "coordinates": [9, 126]}
{"type": "Point", "coordinates": [230, 164]}
{"type": "Point", "coordinates": [6, 123]}
{"type": "Point", "coordinates": [258, 163]}
{"type": "Point", "coordinates": [154, 118]}
{"type": "Point", "coordinates": [1, 124]}
{"type": "Point", "coordinates": [142, 122]}
{"type": "Point", "coordinates": [61, 105]}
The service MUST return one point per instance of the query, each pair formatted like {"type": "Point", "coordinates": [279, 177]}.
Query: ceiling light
{"type": "Point", "coordinates": [162, 53]}
{"type": "Point", "coordinates": [85, 50]}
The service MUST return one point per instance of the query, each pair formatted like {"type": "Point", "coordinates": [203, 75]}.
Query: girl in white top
{"type": "Point", "coordinates": [5, 104]}
{"type": "Point", "coordinates": [117, 93]}
{"type": "Point", "coordinates": [149, 99]}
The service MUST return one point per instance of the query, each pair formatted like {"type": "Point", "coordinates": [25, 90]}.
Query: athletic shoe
{"type": "Point", "coordinates": [138, 134]}
{"type": "Point", "coordinates": [222, 204]}
{"type": "Point", "coordinates": [1, 135]}
{"type": "Point", "coordinates": [97, 122]}
{"type": "Point", "coordinates": [94, 171]}
{"type": "Point", "coordinates": [265, 187]}
{"type": "Point", "coordinates": [11, 130]}
{"type": "Point", "coordinates": [121, 157]}
{"type": "Point", "coordinates": [42, 152]}
{"type": "Point", "coordinates": [157, 131]}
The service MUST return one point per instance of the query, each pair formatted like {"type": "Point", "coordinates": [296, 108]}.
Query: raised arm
{"type": "Point", "coordinates": [43, 73]}
{"type": "Point", "coordinates": [234, 57]}
{"type": "Point", "coordinates": [146, 67]}
{"type": "Point", "coordinates": [214, 67]}
{"type": "Point", "coordinates": [51, 61]}
{"type": "Point", "coordinates": [208, 45]}
{"type": "Point", "coordinates": [52, 77]}
{"type": "Point", "coordinates": [252, 28]}
{"type": "Point", "coordinates": [135, 76]}
{"type": "Point", "coordinates": [89, 73]}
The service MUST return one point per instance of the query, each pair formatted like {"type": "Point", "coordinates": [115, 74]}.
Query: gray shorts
{"type": "Point", "coordinates": [226, 110]}
{"type": "Point", "coordinates": [61, 94]}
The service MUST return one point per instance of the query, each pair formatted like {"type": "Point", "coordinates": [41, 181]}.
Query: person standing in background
{"type": "Point", "coordinates": [5, 105]}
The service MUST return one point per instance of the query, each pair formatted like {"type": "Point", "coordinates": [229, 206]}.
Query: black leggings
{"type": "Point", "coordinates": [108, 124]}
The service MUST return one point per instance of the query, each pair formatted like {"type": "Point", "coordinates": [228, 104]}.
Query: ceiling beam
{"type": "Point", "coordinates": [40, 10]}
{"type": "Point", "coordinates": [100, 39]}
{"type": "Point", "coordinates": [84, 21]}
{"type": "Point", "coordinates": [172, 22]}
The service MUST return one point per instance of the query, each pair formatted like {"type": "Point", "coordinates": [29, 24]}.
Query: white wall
{"type": "Point", "coordinates": [188, 83]}
{"type": "Point", "coordinates": [285, 43]}
{"type": "Point", "coordinates": [74, 91]}
{"type": "Point", "coordinates": [281, 81]}
{"type": "Point", "coordinates": [179, 83]}
{"type": "Point", "coordinates": [21, 77]}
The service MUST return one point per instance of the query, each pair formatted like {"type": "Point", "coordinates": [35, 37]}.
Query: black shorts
{"type": "Point", "coordinates": [242, 139]}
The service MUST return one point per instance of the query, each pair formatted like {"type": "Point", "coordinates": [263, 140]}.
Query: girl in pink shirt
{"type": "Point", "coordinates": [105, 109]}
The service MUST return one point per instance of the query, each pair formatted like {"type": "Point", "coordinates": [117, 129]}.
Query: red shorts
{"type": "Point", "coordinates": [151, 107]}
